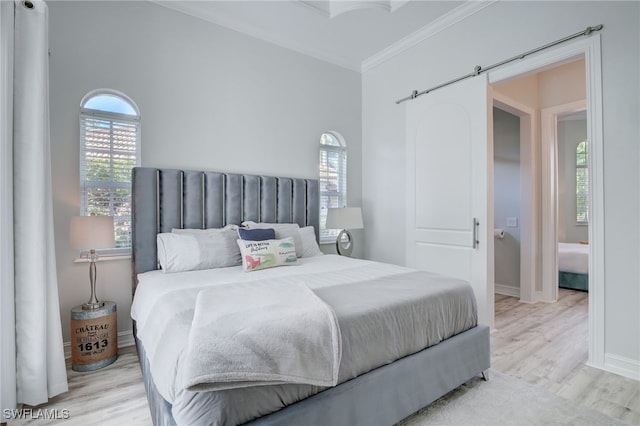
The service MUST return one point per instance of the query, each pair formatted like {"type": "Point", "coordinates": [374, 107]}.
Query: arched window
{"type": "Point", "coordinates": [333, 180]}
{"type": "Point", "coordinates": [109, 149]}
{"type": "Point", "coordinates": [582, 183]}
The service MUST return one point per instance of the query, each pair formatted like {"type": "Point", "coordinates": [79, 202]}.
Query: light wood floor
{"type": "Point", "coordinates": [113, 395]}
{"type": "Point", "coordinates": [546, 344]}
{"type": "Point", "coordinates": [543, 344]}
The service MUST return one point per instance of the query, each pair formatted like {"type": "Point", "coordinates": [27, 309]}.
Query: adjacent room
{"type": "Point", "coordinates": [558, 95]}
{"type": "Point", "coordinates": [335, 212]}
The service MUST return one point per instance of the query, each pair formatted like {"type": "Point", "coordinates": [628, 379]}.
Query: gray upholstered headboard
{"type": "Point", "coordinates": [167, 198]}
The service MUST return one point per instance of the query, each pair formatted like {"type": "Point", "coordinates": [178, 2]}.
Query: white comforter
{"type": "Point", "coordinates": [573, 258]}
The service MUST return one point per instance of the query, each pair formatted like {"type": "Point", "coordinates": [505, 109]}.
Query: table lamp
{"type": "Point", "coordinates": [91, 233]}
{"type": "Point", "coordinates": [344, 218]}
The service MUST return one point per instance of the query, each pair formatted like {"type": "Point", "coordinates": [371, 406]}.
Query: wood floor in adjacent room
{"type": "Point", "coordinates": [543, 344]}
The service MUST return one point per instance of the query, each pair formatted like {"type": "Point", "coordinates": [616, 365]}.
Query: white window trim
{"type": "Point", "coordinates": [112, 252]}
{"type": "Point", "coordinates": [324, 238]}
{"type": "Point", "coordinates": [122, 252]}
{"type": "Point", "coordinates": [105, 254]}
{"type": "Point", "coordinates": [110, 92]}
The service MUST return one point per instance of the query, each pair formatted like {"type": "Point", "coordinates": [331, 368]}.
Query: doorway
{"type": "Point", "coordinates": [549, 93]}
{"type": "Point", "coordinates": [558, 226]}
{"type": "Point", "coordinates": [519, 230]}
{"type": "Point", "coordinates": [540, 288]}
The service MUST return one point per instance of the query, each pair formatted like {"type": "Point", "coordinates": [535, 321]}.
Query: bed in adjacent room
{"type": "Point", "coordinates": [573, 266]}
{"type": "Point", "coordinates": [272, 332]}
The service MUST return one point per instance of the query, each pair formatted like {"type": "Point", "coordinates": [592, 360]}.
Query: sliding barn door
{"type": "Point", "coordinates": [449, 185]}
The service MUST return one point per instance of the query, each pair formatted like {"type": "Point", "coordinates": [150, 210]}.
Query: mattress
{"type": "Point", "coordinates": [385, 312]}
{"type": "Point", "coordinates": [573, 258]}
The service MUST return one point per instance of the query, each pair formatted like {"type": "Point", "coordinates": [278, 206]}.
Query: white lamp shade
{"type": "Point", "coordinates": [92, 232]}
{"type": "Point", "coordinates": [345, 218]}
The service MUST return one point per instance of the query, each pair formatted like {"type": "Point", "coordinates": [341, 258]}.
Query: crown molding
{"type": "Point", "coordinates": [206, 14]}
{"type": "Point", "coordinates": [315, 6]}
{"type": "Point", "coordinates": [332, 8]}
{"type": "Point", "coordinates": [440, 24]}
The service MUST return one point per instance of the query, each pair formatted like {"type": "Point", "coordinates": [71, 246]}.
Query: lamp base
{"type": "Point", "coordinates": [93, 302]}
{"type": "Point", "coordinates": [91, 306]}
{"type": "Point", "coordinates": [344, 243]}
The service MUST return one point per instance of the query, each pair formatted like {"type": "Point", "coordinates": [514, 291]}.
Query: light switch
{"type": "Point", "coordinates": [512, 222]}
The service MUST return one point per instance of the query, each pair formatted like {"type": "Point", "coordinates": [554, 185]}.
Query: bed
{"type": "Point", "coordinates": [573, 266]}
{"type": "Point", "coordinates": [387, 370]}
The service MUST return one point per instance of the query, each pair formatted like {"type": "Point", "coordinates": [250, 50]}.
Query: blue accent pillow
{"type": "Point", "coordinates": [257, 234]}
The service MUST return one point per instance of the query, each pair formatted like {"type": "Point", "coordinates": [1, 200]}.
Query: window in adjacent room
{"type": "Point", "coordinates": [109, 149]}
{"type": "Point", "coordinates": [333, 180]}
{"type": "Point", "coordinates": [582, 184]}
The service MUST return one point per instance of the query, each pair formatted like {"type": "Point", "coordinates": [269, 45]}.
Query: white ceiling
{"type": "Point", "coordinates": [355, 34]}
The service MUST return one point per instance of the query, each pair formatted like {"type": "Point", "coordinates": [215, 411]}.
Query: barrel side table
{"type": "Point", "coordinates": [94, 337]}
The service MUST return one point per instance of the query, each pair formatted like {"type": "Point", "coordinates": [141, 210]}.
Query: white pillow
{"type": "Point", "coordinates": [283, 230]}
{"type": "Point", "coordinates": [267, 254]}
{"type": "Point", "coordinates": [193, 249]}
{"type": "Point", "coordinates": [309, 243]}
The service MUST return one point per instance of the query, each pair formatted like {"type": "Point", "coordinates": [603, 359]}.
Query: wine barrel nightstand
{"type": "Point", "coordinates": [94, 337]}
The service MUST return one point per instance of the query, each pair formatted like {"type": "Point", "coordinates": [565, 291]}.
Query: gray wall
{"type": "Point", "coordinates": [210, 98]}
{"type": "Point", "coordinates": [506, 198]}
{"type": "Point", "coordinates": [500, 31]}
{"type": "Point", "coordinates": [570, 133]}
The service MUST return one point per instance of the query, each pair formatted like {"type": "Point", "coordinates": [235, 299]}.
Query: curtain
{"type": "Point", "coordinates": [7, 311]}
{"type": "Point", "coordinates": [40, 366]}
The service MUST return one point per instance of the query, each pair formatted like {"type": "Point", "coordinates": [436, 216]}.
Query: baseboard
{"type": "Point", "coordinates": [623, 366]}
{"type": "Point", "coordinates": [125, 338]}
{"type": "Point", "coordinates": [507, 290]}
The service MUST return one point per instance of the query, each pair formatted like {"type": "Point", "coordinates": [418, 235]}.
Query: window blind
{"type": "Point", "coordinates": [109, 149]}
{"type": "Point", "coordinates": [582, 183]}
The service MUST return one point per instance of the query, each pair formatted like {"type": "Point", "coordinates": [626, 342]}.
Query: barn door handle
{"type": "Point", "coordinates": [475, 232]}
